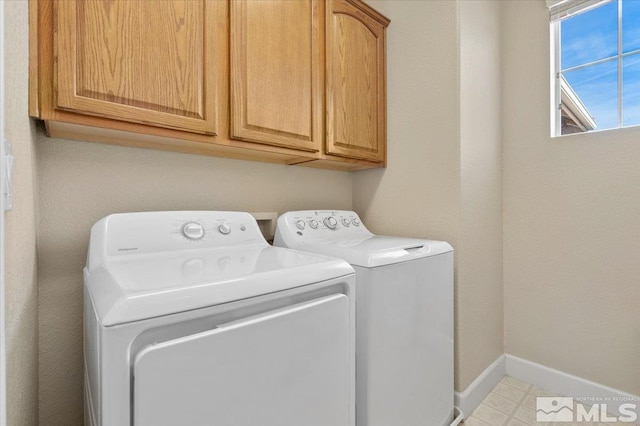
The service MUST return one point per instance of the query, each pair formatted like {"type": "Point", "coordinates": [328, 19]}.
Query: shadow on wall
{"type": "Point", "coordinates": [368, 183]}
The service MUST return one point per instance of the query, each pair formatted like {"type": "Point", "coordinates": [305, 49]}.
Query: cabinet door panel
{"type": "Point", "coordinates": [356, 117]}
{"type": "Point", "coordinates": [276, 66]}
{"type": "Point", "coordinates": [149, 62]}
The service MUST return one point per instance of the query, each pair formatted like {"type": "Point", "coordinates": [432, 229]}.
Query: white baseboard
{"type": "Point", "coordinates": [473, 395]}
{"type": "Point", "coordinates": [544, 377]}
{"type": "Point", "coordinates": [565, 384]}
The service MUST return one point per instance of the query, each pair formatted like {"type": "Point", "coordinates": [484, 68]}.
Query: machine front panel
{"type": "Point", "coordinates": [405, 320]}
{"type": "Point", "coordinates": [287, 367]}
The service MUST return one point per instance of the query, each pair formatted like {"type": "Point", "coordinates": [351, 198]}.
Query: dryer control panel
{"type": "Point", "coordinates": [153, 232]}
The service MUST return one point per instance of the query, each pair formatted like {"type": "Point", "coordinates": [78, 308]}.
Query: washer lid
{"type": "Point", "coordinates": [342, 234]}
{"type": "Point", "coordinates": [133, 289]}
{"type": "Point", "coordinates": [376, 250]}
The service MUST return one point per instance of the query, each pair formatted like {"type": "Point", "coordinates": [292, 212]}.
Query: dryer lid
{"type": "Point", "coordinates": [167, 274]}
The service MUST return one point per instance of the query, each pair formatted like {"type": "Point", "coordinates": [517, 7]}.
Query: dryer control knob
{"type": "Point", "coordinates": [300, 224]}
{"type": "Point", "coordinates": [193, 230]}
{"type": "Point", "coordinates": [345, 221]}
{"type": "Point", "coordinates": [224, 229]}
{"type": "Point", "coordinates": [355, 221]}
{"type": "Point", "coordinates": [313, 224]}
{"type": "Point", "coordinates": [331, 222]}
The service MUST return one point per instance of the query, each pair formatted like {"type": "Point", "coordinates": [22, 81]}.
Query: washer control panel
{"type": "Point", "coordinates": [321, 224]}
{"type": "Point", "coordinates": [330, 222]}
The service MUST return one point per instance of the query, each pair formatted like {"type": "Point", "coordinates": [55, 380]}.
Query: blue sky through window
{"type": "Point", "coordinates": [597, 87]}
{"type": "Point", "coordinates": [631, 90]}
{"type": "Point", "coordinates": [630, 25]}
{"type": "Point", "coordinates": [590, 36]}
{"type": "Point", "coordinates": [593, 36]}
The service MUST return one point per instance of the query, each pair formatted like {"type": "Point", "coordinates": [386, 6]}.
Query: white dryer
{"type": "Point", "coordinates": [404, 316]}
{"type": "Point", "coordinates": [192, 319]}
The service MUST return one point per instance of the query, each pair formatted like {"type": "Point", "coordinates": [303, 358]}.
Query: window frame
{"type": "Point", "coordinates": [557, 71]}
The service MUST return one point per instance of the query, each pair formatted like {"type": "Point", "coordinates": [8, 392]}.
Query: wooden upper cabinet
{"type": "Point", "coordinates": [139, 61]}
{"type": "Point", "coordinates": [276, 72]}
{"type": "Point", "coordinates": [286, 81]}
{"type": "Point", "coordinates": [356, 81]}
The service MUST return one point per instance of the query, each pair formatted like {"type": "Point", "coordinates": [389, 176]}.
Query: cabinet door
{"type": "Point", "coordinates": [276, 72]}
{"type": "Point", "coordinates": [151, 62]}
{"type": "Point", "coordinates": [356, 100]}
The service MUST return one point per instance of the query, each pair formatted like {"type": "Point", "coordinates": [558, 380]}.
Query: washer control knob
{"type": "Point", "coordinates": [193, 230]}
{"type": "Point", "coordinates": [313, 224]}
{"type": "Point", "coordinates": [330, 222]}
{"type": "Point", "coordinates": [355, 221]}
{"type": "Point", "coordinates": [300, 224]}
{"type": "Point", "coordinates": [345, 221]}
{"type": "Point", "coordinates": [224, 229]}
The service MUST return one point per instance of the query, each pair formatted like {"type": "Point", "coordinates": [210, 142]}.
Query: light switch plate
{"type": "Point", "coordinates": [8, 170]}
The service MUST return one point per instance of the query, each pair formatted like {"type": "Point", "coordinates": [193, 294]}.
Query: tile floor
{"type": "Point", "coordinates": [512, 403]}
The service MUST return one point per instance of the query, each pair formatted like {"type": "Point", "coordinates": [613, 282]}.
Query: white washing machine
{"type": "Point", "coordinates": [404, 316]}
{"type": "Point", "coordinates": [192, 319]}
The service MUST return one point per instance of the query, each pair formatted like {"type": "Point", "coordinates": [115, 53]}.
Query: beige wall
{"type": "Point", "coordinates": [479, 314]}
{"type": "Point", "coordinates": [82, 182]}
{"type": "Point", "coordinates": [418, 194]}
{"type": "Point", "coordinates": [572, 224]}
{"type": "Point", "coordinates": [444, 174]}
{"type": "Point", "coordinates": [21, 288]}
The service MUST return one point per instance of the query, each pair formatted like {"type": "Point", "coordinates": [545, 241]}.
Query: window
{"type": "Point", "coordinates": [596, 62]}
